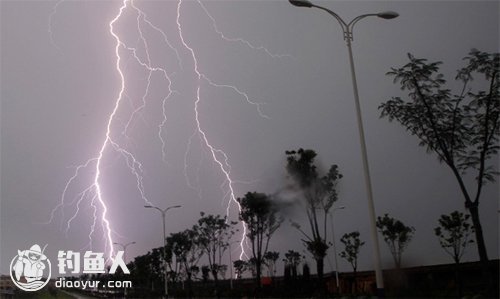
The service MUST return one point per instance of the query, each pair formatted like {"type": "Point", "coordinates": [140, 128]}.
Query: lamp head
{"type": "Point", "coordinates": [388, 15]}
{"type": "Point", "coordinates": [301, 3]}
{"type": "Point", "coordinates": [148, 206]}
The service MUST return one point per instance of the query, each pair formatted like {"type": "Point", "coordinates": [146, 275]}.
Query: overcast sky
{"type": "Point", "coordinates": [60, 83]}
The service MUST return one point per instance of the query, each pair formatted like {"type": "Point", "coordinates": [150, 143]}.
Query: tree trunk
{"type": "Point", "coordinates": [458, 280]}
{"type": "Point", "coordinates": [481, 247]}
{"type": "Point", "coordinates": [478, 229]}
{"type": "Point", "coordinates": [216, 282]}
{"type": "Point", "coordinates": [258, 270]}
{"type": "Point", "coordinates": [319, 268]}
{"type": "Point", "coordinates": [355, 282]}
{"type": "Point", "coordinates": [321, 284]}
{"type": "Point", "coordinates": [190, 286]}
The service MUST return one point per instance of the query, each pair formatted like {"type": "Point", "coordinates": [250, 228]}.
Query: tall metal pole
{"type": "Point", "coordinates": [347, 30]}
{"type": "Point", "coordinates": [368, 183]}
{"type": "Point", "coordinates": [165, 254]}
{"type": "Point", "coordinates": [163, 213]}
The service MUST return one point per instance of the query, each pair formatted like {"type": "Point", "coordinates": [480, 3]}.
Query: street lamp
{"type": "Point", "coordinates": [124, 247]}
{"type": "Point", "coordinates": [163, 213]}
{"type": "Point", "coordinates": [347, 29]}
{"type": "Point", "coordinates": [334, 246]}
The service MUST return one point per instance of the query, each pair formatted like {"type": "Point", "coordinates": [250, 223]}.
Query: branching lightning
{"type": "Point", "coordinates": [92, 192]}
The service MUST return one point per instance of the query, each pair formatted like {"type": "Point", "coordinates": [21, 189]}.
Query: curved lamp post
{"type": "Point", "coordinates": [347, 29]}
{"type": "Point", "coordinates": [163, 213]}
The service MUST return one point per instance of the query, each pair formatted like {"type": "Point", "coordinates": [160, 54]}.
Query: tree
{"type": "Point", "coordinates": [453, 232]}
{"type": "Point", "coordinates": [146, 269]}
{"type": "Point", "coordinates": [251, 264]}
{"type": "Point", "coordinates": [205, 273]}
{"type": "Point", "coordinates": [270, 259]}
{"type": "Point", "coordinates": [292, 260]}
{"type": "Point", "coordinates": [320, 194]}
{"type": "Point", "coordinates": [240, 267]}
{"type": "Point", "coordinates": [261, 219]}
{"type": "Point", "coordinates": [461, 129]}
{"type": "Point", "coordinates": [397, 236]}
{"type": "Point", "coordinates": [184, 246]}
{"type": "Point", "coordinates": [214, 233]}
{"type": "Point", "coordinates": [352, 244]}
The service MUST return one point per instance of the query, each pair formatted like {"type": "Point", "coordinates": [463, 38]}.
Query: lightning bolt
{"type": "Point", "coordinates": [51, 19]}
{"type": "Point", "coordinates": [239, 39]}
{"type": "Point", "coordinates": [92, 191]}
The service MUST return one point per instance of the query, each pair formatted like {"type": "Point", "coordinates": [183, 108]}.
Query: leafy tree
{"type": "Point", "coordinates": [195, 270]}
{"type": "Point", "coordinates": [261, 219]}
{"type": "Point", "coordinates": [184, 246]}
{"type": "Point", "coordinates": [292, 261]}
{"type": "Point", "coordinates": [240, 267]}
{"type": "Point", "coordinates": [270, 259]}
{"type": "Point", "coordinates": [461, 129]}
{"type": "Point", "coordinates": [320, 194]}
{"type": "Point", "coordinates": [221, 270]}
{"type": "Point", "coordinates": [352, 245]}
{"type": "Point", "coordinates": [146, 269]}
{"type": "Point", "coordinates": [251, 264]}
{"type": "Point", "coordinates": [453, 232]}
{"type": "Point", "coordinates": [214, 233]}
{"type": "Point", "coordinates": [205, 273]}
{"type": "Point", "coordinates": [157, 267]}
{"type": "Point", "coordinates": [396, 234]}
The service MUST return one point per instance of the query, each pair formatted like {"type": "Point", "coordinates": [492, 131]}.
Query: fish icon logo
{"type": "Point", "coordinates": [27, 269]}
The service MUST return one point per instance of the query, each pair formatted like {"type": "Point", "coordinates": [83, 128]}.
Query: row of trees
{"type": "Point", "coordinates": [211, 236]}
{"type": "Point", "coordinates": [454, 234]}
{"type": "Point", "coordinates": [184, 250]}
